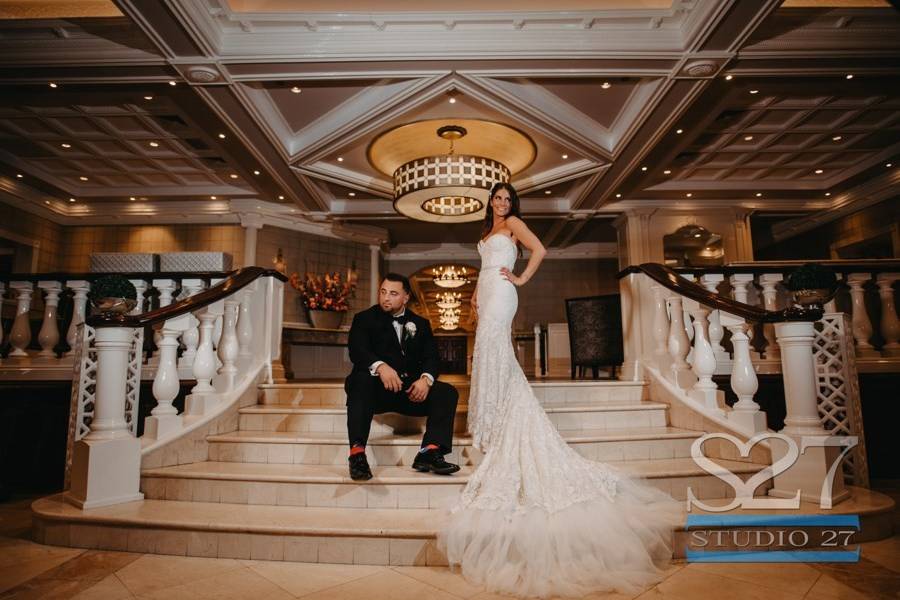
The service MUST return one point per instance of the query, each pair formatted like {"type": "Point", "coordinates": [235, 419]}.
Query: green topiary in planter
{"type": "Point", "coordinates": [812, 284]}
{"type": "Point", "coordinates": [113, 294]}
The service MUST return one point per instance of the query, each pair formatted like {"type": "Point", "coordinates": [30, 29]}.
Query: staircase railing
{"type": "Point", "coordinates": [681, 334]}
{"type": "Point", "coordinates": [237, 323]}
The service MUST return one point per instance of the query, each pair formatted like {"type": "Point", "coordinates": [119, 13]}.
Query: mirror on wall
{"type": "Point", "coordinates": [693, 245]}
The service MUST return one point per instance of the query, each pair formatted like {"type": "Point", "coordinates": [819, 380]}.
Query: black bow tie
{"type": "Point", "coordinates": [402, 319]}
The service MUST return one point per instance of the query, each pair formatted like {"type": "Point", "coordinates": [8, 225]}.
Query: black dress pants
{"type": "Point", "coordinates": [367, 397]}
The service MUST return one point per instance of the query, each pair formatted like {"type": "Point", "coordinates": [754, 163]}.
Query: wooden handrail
{"type": "Point", "coordinates": [786, 266]}
{"type": "Point", "coordinates": [205, 275]}
{"type": "Point", "coordinates": [239, 279]}
{"type": "Point", "coordinates": [668, 278]}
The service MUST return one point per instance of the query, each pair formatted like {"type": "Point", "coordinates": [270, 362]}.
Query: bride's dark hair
{"type": "Point", "coordinates": [489, 211]}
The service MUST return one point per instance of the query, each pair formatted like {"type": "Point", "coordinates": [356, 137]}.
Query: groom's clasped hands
{"type": "Point", "coordinates": [417, 392]}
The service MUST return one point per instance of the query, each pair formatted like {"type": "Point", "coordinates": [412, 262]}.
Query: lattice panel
{"type": "Point", "coordinates": [84, 386]}
{"type": "Point", "coordinates": [838, 391]}
{"type": "Point", "coordinates": [133, 382]}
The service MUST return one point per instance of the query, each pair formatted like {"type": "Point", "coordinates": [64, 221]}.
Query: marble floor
{"type": "Point", "coordinates": [29, 570]}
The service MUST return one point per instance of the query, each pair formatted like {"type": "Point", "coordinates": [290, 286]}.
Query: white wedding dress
{"type": "Point", "coordinates": [537, 518]}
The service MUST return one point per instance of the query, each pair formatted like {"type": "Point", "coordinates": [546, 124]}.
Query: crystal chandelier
{"type": "Point", "coordinates": [449, 277]}
{"type": "Point", "coordinates": [448, 300]}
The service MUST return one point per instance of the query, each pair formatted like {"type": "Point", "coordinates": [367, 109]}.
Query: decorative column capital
{"type": "Point", "coordinates": [251, 220]}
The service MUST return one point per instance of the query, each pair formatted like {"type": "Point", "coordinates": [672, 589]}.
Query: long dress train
{"type": "Point", "coordinates": [536, 518]}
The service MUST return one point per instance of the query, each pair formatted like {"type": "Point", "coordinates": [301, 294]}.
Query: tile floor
{"type": "Point", "coordinates": [29, 570]}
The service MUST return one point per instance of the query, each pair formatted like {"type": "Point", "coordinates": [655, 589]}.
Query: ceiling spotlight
{"type": "Point", "coordinates": [340, 159]}
{"type": "Point", "coordinates": [154, 144]}
{"type": "Point", "coordinates": [53, 85]}
{"type": "Point", "coordinates": [233, 176]}
{"type": "Point", "coordinates": [606, 85]}
{"type": "Point", "coordinates": [679, 131]}
{"type": "Point", "coordinates": [452, 100]}
{"type": "Point", "coordinates": [281, 197]}
{"type": "Point", "coordinates": [688, 195]}
{"type": "Point", "coordinates": [729, 77]}
{"type": "Point", "coordinates": [827, 194]}
{"type": "Point", "coordinates": [148, 97]}
{"type": "Point", "coordinates": [836, 138]}
{"type": "Point", "coordinates": [819, 171]}
{"type": "Point", "coordinates": [64, 145]}
{"type": "Point", "coordinates": [212, 197]}
{"type": "Point", "coordinates": [173, 83]}
{"type": "Point", "coordinates": [643, 168]}
{"type": "Point", "coordinates": [352, 194]}
{"type": "Point", "coordinates": [759, 194]}
{"type": "Point", "coordinates": [46, 202]}
{"type": "Point", "coordinates": [221, 136]}
{"type": "Point", "coordinates": [850, 76]}
{"type": "Point", "coordinates": [667, 172]}
{"type": "Point", "coordinates": [71, 199]}
{"type": "Point", "coordinates": [296, 90]}
{"type": "Point", "coordinates": [256, 172]}
{"type": "Point", "coordinates": [565, 156]}
{"type": "Point", "coordinates": [19, 175]}
{"type": "Point", "coordinates": [889, 165]}
{"type": "Point", "coordinates": [618, 195]}
{"type": "Point", "coordinates": [83, 178]}
{"type": "Point", "coordinates": [548, 192]}
{"type": "Point", "coordinates": [754, 91]}
{"type": "Point", "coordinates": [132, 198]}
{"type": "Point", "coordinates": [747, 138]}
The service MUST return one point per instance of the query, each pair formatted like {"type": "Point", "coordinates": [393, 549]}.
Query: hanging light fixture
{"type": "Point", "coordinates": [449, 276]}
{"type": "Point", "coordinates": [448, 300]}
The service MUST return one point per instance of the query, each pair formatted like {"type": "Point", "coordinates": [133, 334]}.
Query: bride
{"type": "Point", "coordinates": [536, 518]}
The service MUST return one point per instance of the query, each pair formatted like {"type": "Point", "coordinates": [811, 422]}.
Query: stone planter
{"type": "Point", "coordinates": [326, 319]}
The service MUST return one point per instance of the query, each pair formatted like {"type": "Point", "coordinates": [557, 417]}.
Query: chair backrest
{"type": "Point", "coordinates": [595, 330]}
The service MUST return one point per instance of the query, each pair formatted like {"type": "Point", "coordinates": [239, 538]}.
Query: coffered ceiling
{"type": "Point", "coordinates": [211, 110]}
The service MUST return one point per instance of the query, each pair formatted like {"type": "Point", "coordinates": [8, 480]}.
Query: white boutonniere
{"type": "Point", "coordinates": [410, 329]}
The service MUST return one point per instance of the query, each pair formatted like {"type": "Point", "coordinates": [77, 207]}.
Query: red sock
{"type": "Point", "coordinates": [431, 447]}
{"type": "Point", "coordinates": [357, 450]}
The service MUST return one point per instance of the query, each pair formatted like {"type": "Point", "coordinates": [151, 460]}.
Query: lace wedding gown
{"type": "Point", "coordinates": [536, 518]}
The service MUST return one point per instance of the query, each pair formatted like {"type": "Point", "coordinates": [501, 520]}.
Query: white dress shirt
{"type": "Point", "coordinates": [399, 329]}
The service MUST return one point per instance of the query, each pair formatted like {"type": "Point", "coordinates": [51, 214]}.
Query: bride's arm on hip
{"type": "Point", "coordinates": [530, 241]}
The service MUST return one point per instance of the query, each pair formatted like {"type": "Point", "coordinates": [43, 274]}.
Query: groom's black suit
{"type": "Point", "coordinates": [373, 338]}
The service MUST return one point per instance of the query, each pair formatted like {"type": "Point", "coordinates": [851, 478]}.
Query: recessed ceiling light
{"type": "Point", "coordinates": [618, 195]}
{"type": "Point", "coordinates": [296, 90]}
{"type": "Point", "coordinates": [849, 75]}
{"type": "Point", "coordinates": [747, 138]}
{"type": "Point", "coordinates": [340, 159]}
{"type": "Point", "coordinates": [71, 199]}
{"type": "Point", "coordinates": [233, 176]}
{"type": "Point", "coordinates": [606, 85]}
{"type": "Point", "coordinates": [46, 202]}
{"type": "Point", "coordinates": [754, 91]}
{"type": "Point", "coordinates": [132, 198]}
{"type": "Point", "coordinates": [837, 138]}
{"type": "Point", "coordinates": [83, 178]}
{"type": "Point", "coordinates": [643, 168]}
{"type": "Point", "coordinates": [548, 192]}
{"type": "Point", "coordinates": [352, 194]}
{"type": "Point", "coordinates": [696, 235]}
{"type": "Point", "coordinates": [667, 172]}
{"type": "Point", "coordinates": [66, 145]}
{"type": "Point", "coordinates": [827, 194]}
{"type": "Point", "coordinates": [221, 136]}
{"type": "Point", "coordinates": [452, 100]}
{"type": "Point", "coordinates": [154, 144]}
{"type": "Point", "coordinates": [256, 172]}
{"type": "Point", "coordinates": [53, 85]}
{"type": "Point", "coordinates": [679, 131]}
{"type": "Point", "coordinates": [819, 171]}
{"type": "Point", "coordinates": [565, 156]}
{"type": "Point", "coordinates": [759, 194]}
{"type": "Point", "coordinates": [281, 197]}
{"type": "Point", "coordinates": [212, 197]}
{"type": "Point", "coordinates": [148, 97]}
{"type": "Point", "coordinates": [173, 83]}
{"type": "Point", "coordinates": [19, 175]}
{"type": "Point", "coordinates": [889, 165]}
{"type": "Point", "coordinates": [689, 194]}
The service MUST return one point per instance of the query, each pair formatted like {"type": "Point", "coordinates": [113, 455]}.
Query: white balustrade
{"type": "Point", "coordinates": [769, 283]}
{"type": "Point", "coordinates": [164, 419]}
{"type": "Point", "coordinates": [140, 286]}
{"type": "Point", "coordinates": [890, 325]}
{"type": "Point", "coordinates": [191, 336]}
{"type": "Point", "coordinates": [746, 413]}
{"type": "Point", "coordinates": [740, 289]}
{"type": "Point", "coordinates": [678, 345]}
{"type": "Point", "coordinates": [228, 345]}
{"type": "Point", "coordinates": [537, 345]}
{"type": "Point", "coordinates": [862, 325]}
{"type": "Point", "coordinates": [80, 289]}
{"type": "Point", "coordinates": [711, 281]}
{"type": "Point", "coordinates": [205, 362]}
{"type": "Point", "coordinates": [660, 328]}
{"type": "Point", "coordinates": [20, 334]}
{"type": "Point", "coordinates": [166, 289]}
{"type": "Point", "coordinates": [831, 305]}
{"type": "Point", "coordinates": [705, 390]}
{"type": "Point", "coordinates": [48, 336]}
{"type": "Point", "coordinates": [245, 325]}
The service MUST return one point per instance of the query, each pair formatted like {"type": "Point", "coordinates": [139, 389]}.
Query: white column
{"type": "Point", "coordinates": [374, 275]}
{"type": "Point", "coordinates": [710, 282]}
{"type": "Point", "coordinates": [660, 328]}
{"type": "Point", "coordinates": [164, 419]}
{"type": "Point", "coordinates": [79, 310]}
{"type": "Point", "coordinates": [228, 345]}
{"type": "Point", "coordinates": [20, 334]}
{"type": "Point", "coordinates": [251, 223]}
{"type": "Point", "coordinates": [746, 413]}
{"type": "Point", "coordinates": [861, 324]}
{"type": "Point", "coordinates": [245, 324]}
{"type": "Point", "coordinates": [106, 464]}
{"type": "Point", "coordinates": [140, 286]}
{"type": "Point", "coordinates": [678, 345]}
{"type": "Point", "coordinates": [740, 289]}
{"type": "Point", "coordinates": [191, 336]}
{"type": "Point", "coordinates": [48, 336]}
{"type": "Point", "coordinates": [890, 326]}
{"type": "Point", "coordinates": [769, 281]}
{"type": "Point", "coordinates": [704, 365]}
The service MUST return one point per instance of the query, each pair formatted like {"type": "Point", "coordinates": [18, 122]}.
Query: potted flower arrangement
{"type": "Point", "coordinates": [325, 297]}
{"type": "Point", "coordinates": [113, 295]}
{"type": "Point", "coordinates": [812, 284]}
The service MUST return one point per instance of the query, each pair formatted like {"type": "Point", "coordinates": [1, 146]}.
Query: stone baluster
{"type": "Point", "coordinates": [688, 326]}
{"type": "Point", "coordinates": [769, 283]}
{"type": "Point", "coordinates": [678, 344]}
{"type": "Point", "coordinates": [746, 413]}
{"type": "Point", "coordinates": [740, 289]}
{"type": "Point", "coordinates": [164, 419]}
{"type": "Point", "coordinates": [80, 287]}
{"type": "Point", "coordinates": [166, 289]}
{"type": "Point", "coordinates": [860, 323]}
{"type": "Point", "coordinates": [704, 365]}
{"type": "Point", "coordinates": [537, 344]}
{"type": "Point", "coordinates": [228, 345]}
{"type": "Point", "coordinates": [217, 325]}
{"type": "Point", "coordinates": [831, 305]}
{"type": "Point", "coordinates": [48, 336]}
{"type": "Point", "coordinates": [106, 464]}
{"type": "Point", "coordinates": [660, 329]}
{"type": "Point", "coordinates": [205, 362]}
{"type": "Point", "coordinates": [710, 282]}
{"type": "Point", "coordinates": [20, 334]}
{"type": "Point", "coordinates": [191, 336]}
{"type": "Point", "coordinates": [140, 286]}
{"type": "Point", "coordinates": [245, 326]}
{"type": "Point", "coordinates": [890, 326]}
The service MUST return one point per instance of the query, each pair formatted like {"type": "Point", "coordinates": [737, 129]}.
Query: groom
{"type": "Point", "coordinates": [395, 367]}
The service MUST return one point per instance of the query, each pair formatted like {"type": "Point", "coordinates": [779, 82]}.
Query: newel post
{"type": "Point", "coordinates": [106, 463]}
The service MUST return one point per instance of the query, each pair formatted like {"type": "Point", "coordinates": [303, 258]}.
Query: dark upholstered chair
{"type": "Point", "coordinates": [595, 333]}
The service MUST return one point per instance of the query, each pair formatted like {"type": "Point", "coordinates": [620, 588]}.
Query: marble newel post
{"type": "Point", "coordinates": [802, 420]}
{"type": "Point", "coordinates": [106, 464]}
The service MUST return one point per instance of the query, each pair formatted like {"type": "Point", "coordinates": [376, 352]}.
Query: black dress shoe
{"type": "Point", "coordinates": [359, 467]}
{"type": "Point", "coordinates": [432, 460]}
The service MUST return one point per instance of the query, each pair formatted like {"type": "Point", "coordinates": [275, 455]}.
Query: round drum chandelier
{"type": "Point", "coordinates": [442, 169]}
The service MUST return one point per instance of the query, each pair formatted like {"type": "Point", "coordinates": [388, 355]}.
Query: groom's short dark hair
{"type": "Point", "coordinates": [402, 279]}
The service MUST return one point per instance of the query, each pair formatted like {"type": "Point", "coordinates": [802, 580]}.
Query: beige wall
{"type": "Point", "coordinates": [43, 236]}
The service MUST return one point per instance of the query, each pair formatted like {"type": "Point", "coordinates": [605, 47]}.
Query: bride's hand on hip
{"type": "Point", "coordinates": [511, 277]}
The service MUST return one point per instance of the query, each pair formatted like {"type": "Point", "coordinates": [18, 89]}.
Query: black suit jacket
{"type": "Point", "coordinates": [373, 338]}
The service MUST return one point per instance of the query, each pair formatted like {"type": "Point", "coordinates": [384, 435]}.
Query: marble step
{"type": "Point", "coordinates": [317, 534]}
{"type": "Point", "coordinates": [330, 448]}
{"type": "Point", "coordinates": [550, 393]}
{"type": "Point", "coordinates": [392, 487]}
{"type": "Point", "coordinates": [287, 417]}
